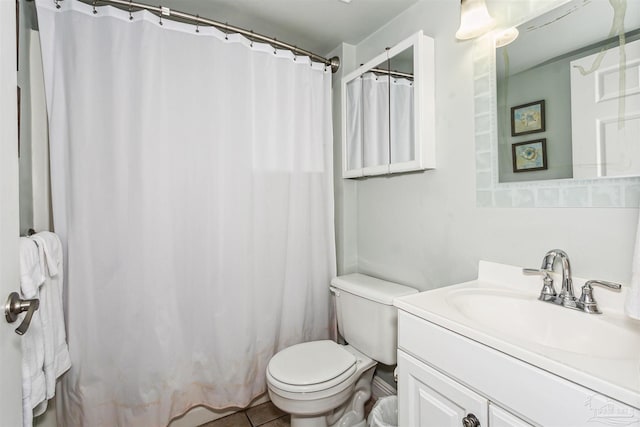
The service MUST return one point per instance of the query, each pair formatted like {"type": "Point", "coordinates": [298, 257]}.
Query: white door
{"type": "Point", "coordinates": [10, 354]}
{"type": "Point", "coordinates": [428, 398]}
{"type": "Point", "coordinates": [605, 119]}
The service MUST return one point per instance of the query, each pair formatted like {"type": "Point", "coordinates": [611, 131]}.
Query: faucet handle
{"type": "Point", "coordinates": [604, 284]}
{"type": "Point", "coordinates": [536, 272]}
{"type": "Point", "coordinates": [548, 292]}
{"type": "Point", "coordinates": [586, 302]}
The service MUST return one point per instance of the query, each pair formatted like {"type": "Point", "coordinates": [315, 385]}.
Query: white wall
{"type": "Point", "coordinates": [344, 190]}
{"type": "Point", "coordinates": [424, 229]}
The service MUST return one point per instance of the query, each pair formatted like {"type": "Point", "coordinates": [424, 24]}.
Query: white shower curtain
{"type": "Point", "coordinates": [192, 187]}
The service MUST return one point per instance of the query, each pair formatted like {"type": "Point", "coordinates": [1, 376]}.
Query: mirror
{"type": "Point", "coordinates": [568, 100]}
{"type": "Point", "coordinates": [382, 101]}
{"type": "Point", "coordinates": [549, 35]}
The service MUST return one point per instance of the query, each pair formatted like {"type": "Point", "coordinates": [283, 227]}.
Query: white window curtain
{"type": "Point", "coordinates": [192, 188]}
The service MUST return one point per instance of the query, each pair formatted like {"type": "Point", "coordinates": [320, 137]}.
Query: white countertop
{"type": "Point", "coordinates": [600, 369]}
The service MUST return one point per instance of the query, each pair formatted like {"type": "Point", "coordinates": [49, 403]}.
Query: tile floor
{"type": "Point", "coordinates": [265, 415]}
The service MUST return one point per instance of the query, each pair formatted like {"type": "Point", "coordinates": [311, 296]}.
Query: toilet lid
{"type": "Point", "coordinates": [312, 363]}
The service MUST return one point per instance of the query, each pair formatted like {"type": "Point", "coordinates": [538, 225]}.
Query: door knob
{"type": "Point", "coordinates": [16, 305]}
{"type": "Point", "coordinates": [470, 421]}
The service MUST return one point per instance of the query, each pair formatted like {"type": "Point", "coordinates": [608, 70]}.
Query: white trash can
{"type": "Point", "coordinates": [384, 413]}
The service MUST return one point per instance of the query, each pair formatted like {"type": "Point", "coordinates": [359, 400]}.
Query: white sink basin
{"type": "Point", "coordinates": [501, 310]}
{"type": "Point", "coordinates": [523, 317]}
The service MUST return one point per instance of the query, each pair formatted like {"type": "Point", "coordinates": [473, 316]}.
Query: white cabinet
{"type": "Point", "coordinates": [428, 398]}
{"type": "Point", "coordinates": [388, 111]}
{"type": "Point", "coordinates": [443, 377]}
{"type": "Point", "coordinates": [498, 417]}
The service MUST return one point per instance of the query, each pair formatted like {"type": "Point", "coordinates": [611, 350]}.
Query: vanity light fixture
{"type": "Point", "coordinates": [474, 19]}
{"type": "Point", "coordinates": [506, 36]}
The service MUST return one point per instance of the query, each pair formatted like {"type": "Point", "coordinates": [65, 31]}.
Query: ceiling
{"type": "Point", "coordinates": [552, 30]}
{"type": "Point", "coordinates": [315, 25]}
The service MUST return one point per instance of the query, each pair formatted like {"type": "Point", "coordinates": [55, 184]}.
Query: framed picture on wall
{"type": "Point", "coordinates": [527, 118]}
{"type": "Point", "coordinates": [529, 156]}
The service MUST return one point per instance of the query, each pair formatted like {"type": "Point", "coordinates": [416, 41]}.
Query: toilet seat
{"type": "Point", "coordinates": [311, 367]}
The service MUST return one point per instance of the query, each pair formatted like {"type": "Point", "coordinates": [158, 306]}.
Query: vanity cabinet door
{"type": "Point", "coordinates": [498, 417]}
{"type": "Point", "coordinates": [429, 399]}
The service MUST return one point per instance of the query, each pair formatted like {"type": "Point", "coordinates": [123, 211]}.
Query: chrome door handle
{"type": "Point", "coordinates": [16, 305]}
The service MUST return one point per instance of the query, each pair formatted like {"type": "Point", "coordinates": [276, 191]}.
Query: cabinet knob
{"type": "Point", "coordinates": [470, 421]}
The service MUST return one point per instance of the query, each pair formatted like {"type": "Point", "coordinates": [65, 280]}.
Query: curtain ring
{"type": "Point", "coordinates": [275, 49]}
{"type": "Point", "coordinates": [95, 12]}
{"type": "Point", "coordinates": [130, 15]}
{"type": "Point", "coordinates": [57, 2]}
{"type": "Point", "coordinates": [251, 40]}
{"type": "Point", "coordinates": [160, 7]}
{"type": "Point", "coordinates": [226, 31]}
{"type": "Point", "coordinates": [295, 53]}
{"type": "Point", "coordinates": [197, 24]}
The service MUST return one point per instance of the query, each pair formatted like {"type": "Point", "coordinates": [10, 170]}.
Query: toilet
{"type": "Point", "coordinates": [322, 383]}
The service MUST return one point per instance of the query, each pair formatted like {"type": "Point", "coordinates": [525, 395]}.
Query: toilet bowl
{"type": "Point", "coordinates": [318, 381]}
{"type": "Point", "coordinates": [325, 384]}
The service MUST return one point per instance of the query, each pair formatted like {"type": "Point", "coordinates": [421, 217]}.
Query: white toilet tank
{"type": "Point", "coordinates": [367, 319]}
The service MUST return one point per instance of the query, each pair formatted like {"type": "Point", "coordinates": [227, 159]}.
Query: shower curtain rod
{"type": "Point", "coordinates": [162, 11]}
{"type": "Point", "coordinates": [392, 73]}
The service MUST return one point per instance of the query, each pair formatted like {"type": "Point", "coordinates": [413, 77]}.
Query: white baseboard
{"type": "Point", "coordinates": [381, 388]}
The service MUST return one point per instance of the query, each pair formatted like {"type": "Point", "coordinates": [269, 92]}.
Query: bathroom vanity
{"type": "Point", "coordinates": [489, 353]}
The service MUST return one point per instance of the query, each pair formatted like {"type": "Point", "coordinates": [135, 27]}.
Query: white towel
{"type": "Point", "coordinates": [632, 303]}
{"type": "Point", "coordinates": [56, 352]}
{"type": "Point", "coordinates": [32, 342]}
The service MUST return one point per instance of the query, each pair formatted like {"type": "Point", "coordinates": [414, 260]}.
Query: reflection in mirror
{"type": "Point", "coordinates": [380, 128]}
{"type": "Point", "coordinates": [571, 58]}
{"type": "Point", "coordinates": [367, 119]}
{"type": "Point", "coordinates": [375, 116]}
{"type": "Point", "coordinates": [353, 125]}
{"type": "Point", "coordinates": [402, 135]}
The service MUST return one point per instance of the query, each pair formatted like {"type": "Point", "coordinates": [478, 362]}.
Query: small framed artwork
{"type": "Point", "coordinates": [527, 118]}
{"type": "Point", "coordinates": [529, 156]}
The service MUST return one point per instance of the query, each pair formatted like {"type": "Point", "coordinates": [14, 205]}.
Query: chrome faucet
{"type": "Point", "coordinates": [566, 298]}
